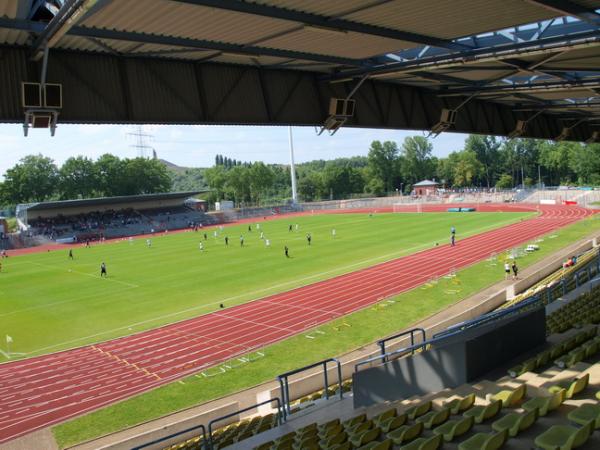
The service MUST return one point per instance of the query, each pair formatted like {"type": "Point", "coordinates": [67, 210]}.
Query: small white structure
{"type": "Point", "coordinates": [223, 205]}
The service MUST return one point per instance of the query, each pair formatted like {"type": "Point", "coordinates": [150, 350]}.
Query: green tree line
{"type": "Point", "coordinates": [484, 161]}
{"type": "Point", "coordinates": [37, 178]}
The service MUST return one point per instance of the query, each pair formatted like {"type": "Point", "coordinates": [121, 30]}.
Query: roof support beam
{"type": "Point", "coordinates": [67, 16]}
{"type": "Point", "coordinates": [567, 8]}
{"type": "Point", "coordinates": [324, 22]}
{"type": "Point", "coordinates": [530, 87]}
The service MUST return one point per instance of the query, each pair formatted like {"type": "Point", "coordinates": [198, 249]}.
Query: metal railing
{"type": "Point", "coordinates": [411, 332]}
{"type": "Point", "coordinates": [179, 433]}
{"type": "Point", "coordinates": [284, 385]}
{"type": "Point", "coordinates": [237, 413]}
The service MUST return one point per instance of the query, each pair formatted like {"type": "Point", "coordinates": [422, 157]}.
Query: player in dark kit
{"type": "Point", "coordinates": [103, 270]}
{"type": "Point", "coordinates": [308, 238]}
{"type": "Point", "coordinates": [71, 253]}
{"type": "Point", "coordinates": [287, 255]}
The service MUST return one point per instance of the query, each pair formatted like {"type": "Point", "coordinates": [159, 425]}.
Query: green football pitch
{"type": "Point", "coordinates": [49, 302]}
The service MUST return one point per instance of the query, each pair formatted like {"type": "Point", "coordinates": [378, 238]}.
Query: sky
{"type": "Point", "coordinates": [197, 145]}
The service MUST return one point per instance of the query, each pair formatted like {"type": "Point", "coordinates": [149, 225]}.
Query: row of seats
{"type": "Point", "coordinates": [584, 309]}
{"type": "Point", "coordinates": [558, 352]}
{"type": "Point", "coordinates": [421, 427]}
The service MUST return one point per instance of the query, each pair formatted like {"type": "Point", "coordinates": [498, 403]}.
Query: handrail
{"type": "Point", "coordinates": [412, 332]}
{"type": "Point", "coordinates": [156, 441]}
{"type": "Point", "coordinates": [284, 385]}
{"type": "Point", "coordinates": [227, 416]}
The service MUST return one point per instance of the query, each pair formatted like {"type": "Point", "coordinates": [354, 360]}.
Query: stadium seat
{"type": "Point", "coordinates": [573, 387]}
{"type": "Point", "coordinates": [384, 445]}
{"type": "Point", "coordinates": [418, 410]}
{"type": "Point", "coordinates": [354, 421]}
{"type": "Point", "coordinates": [431, 443]}
{"type": "Point", "coordinates": [482, 413]}
{"type": "Point", "coordinates": [434, 418]}
{"type": "Point", "coordinates": [484, 441]}
{"type": "Point", "coordinates": [405, 433]}
{"type": "Point", "coordinates": [514, 423]}
{"type": "Point", "coordinates": [393, 423]}
{"type": "Point", "coordinates": [564, 437]}
{"type": "Point", "coordinates": [455, 428]}
{"type": "Point", "coordinates": [544, 405]}
{"type": "Point", "coordinates": [586, 413]}
{"type": "Point", "coordinates": [510, 398]}
{"type": "Point", "coordinates": [384, 416]}
{"type": "Point", "coordinates": [333, 440]}
{"type": "Point", "coordinates": [360, 439]}
{"type": "Point", "coordinates": [459, 405]}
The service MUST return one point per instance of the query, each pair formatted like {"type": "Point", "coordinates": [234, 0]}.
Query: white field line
{"type": "Point", "coordinates": [86, 274]}
{"type": "Point", "coordinates": [338, 272]}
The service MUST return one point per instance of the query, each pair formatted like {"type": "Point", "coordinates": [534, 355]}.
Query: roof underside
{"type": "Point", "coordinates": [532, 57]}
{"type": "Point", "coordinates": [109, 201]}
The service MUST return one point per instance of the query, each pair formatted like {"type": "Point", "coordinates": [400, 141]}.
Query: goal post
{"type": "Point", "coordinates": [407, 207]}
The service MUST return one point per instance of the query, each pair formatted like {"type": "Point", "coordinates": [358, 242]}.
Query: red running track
{"type": "Point", "coordinates": [41, 391]}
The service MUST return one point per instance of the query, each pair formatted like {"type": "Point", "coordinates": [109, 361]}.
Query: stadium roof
{"type": "Point", "coordinates": [426, 183]}
{"type": "Point", "coordinates": [231, 61]}
{"type": "Point", "coordinates": [65, 204]}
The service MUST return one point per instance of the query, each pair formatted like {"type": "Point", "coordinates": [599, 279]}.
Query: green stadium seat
{"type": "Point", "coordinates": [431, 443]}
{"type": "Point", "coordinates": [482, 413]}
{"type": "Point", "coordinates": [564, 437]}
{"type": "Point", "coordinates": [384, 445]}
{"type": "Point", "coordinates": [418, 410]}
{"type": "Point", "coordinates": [544, 405]}
{"type": "Point", "coordinates": [510, 398]}
{"type": "Point", "coordinates": [333, 440]}
{"type": "Point", "coordinates": [459, 405]}
{"type": "Point", "coordinates": [515, 423]}
{"type": "Point", "coordinates": [520, 369]}
{"type": "Point", "coordinates": [384, 416]}
{"type": "Point", "coordinates": [586, 413]}
{"type": "Point", "coordinates": [331, 431]}
{"type": "Point", "coordinates": [573, 387]}
{"type": "Point", "coordinates": [358, 440]}
{"type": "Point", "coordinates": [434, 418]}
{"type": "Point", "coordinates": [405, 433]}
{"type": "Point", "coordinates": [354, 421]}
{"type": "Point", "coordinates": [484, 441]}
{"type": "Point", "coordinates": [455, 428]}
{"type": "Point", "coordinates": [393, 423]}
{"type": "Point", "coordinates": [359, 428]}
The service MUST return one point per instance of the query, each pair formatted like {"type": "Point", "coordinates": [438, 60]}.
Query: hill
{"type": "Point", "coordinates": [185, 178]}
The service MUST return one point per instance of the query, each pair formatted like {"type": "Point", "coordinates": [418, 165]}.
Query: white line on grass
{"type": "Point", "coordinates": [86, 274]}
{"type": "Point", "coordinates": [345, 269]}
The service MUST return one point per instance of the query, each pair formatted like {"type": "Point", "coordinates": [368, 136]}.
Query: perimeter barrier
{"type": "Point", "coordinates": [285, 387]}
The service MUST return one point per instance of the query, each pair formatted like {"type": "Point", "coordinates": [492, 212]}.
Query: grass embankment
{"type": "Point", "coordinates": [366, 326]}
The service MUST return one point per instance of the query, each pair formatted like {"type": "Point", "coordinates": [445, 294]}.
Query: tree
{"type": "Point", "coordinates": [383, 162]}
{"type": "Point", "coordinates": [78, 178]}
{"type": "Point", "coordinates": [417, 163]}
{"type": "Point", "coordinates": [238, 182]}
{"type": "Point", "coordinates": [585, 163]}
{"type": "Point", "coordinates": [504, 182]}
{"type": "Point", "coordinates": [310, 186]}
{"type": "Point", "coordinates": [33, 179]}
{"type": "Point", "coordinates": [467, 168]}
{"type": "Point", "coordinates": [486, 149]}
{"type": "Point", "coordinates": [110, 176]}
{"type": "Point", "coordinates": [145, 176]}
{"type": "Point", "coordinates": [261, 179]}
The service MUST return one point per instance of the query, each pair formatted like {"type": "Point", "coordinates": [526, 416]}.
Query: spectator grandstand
{"type": "Point", "coordinates": [92, 219]}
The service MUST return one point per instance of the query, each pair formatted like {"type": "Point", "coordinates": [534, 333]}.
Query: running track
{"type": "Point", "coordinates": [41, 391]}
